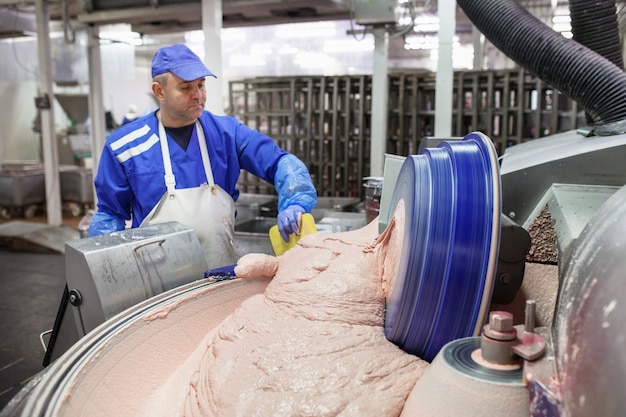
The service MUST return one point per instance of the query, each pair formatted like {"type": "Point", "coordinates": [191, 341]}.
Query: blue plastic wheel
{"type": "Point", "coordinates": [452, 206]}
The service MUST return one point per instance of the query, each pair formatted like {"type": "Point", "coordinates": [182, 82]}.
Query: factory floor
{"type": "Point", "coordinates": [31, 286]}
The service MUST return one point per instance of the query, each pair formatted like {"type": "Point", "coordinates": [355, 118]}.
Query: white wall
{"type": "Point", "coordinates": [18, 141]}
{"type": "Point", "coordinates": [18, 89]}
{"type": "Point", "coordinates": [135, 89]}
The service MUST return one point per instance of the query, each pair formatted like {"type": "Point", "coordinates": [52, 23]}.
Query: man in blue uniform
{"type": "Point", "coordinates": [181, 163]}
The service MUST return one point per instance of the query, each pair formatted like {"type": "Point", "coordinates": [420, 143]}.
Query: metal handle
{"type": "Point", "coordinates": [45, 348]}
{"type": "Point", "coordinates": [141, 245]}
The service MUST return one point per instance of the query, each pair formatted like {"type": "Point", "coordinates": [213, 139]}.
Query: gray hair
{"type": "Point", "coordinates": [161, 78]}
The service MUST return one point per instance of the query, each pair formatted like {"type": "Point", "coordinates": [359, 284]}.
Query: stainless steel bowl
{"type": "Point", "coordinates": [113, 369]}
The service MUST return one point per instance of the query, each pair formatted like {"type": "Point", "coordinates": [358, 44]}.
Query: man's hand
{"type": "Point", "coordinates": [289, 221]}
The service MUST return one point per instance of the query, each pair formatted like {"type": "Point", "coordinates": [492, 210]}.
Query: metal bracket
{"type": "Point", "coordinates": [503, 343]}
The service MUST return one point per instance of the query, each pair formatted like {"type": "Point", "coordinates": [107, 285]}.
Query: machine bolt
{"type": "Point", "coordinates": [498, 338]}
{"type": "Point", "coordinates": [75, 298]}
{"type": "Point", "coordinates": [501, 321]}
{"type": "Point", "coordinates": [500, 326]}
{"type": "Point", "coordinates": [504, 278]}
{"type": "Point", "coordinates": [502, 343]}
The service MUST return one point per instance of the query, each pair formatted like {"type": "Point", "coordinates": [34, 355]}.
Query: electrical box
{"type": "Point", "coordinates": [370, 12]}
{"type": "Point", "coordinates": [42, 102]}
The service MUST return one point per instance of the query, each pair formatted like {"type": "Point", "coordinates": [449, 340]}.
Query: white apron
{"type": "Point", "coordinates": [207, 209]}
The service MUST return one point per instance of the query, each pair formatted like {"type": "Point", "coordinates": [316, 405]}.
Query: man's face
{"type": "Point", "coordinates": [181, 102]}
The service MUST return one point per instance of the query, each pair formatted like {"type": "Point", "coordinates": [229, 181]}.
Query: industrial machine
{"type": "Point", "coordinates": [110, 321]}
{"type": "Point", "coordinates": [107, 274]}
{"type": "Point", "coordinates": [74, 146]}
{"type": "Point", "coordinates": [22, 183]}
{"type": "Point", "coordinates": [452, 263]}
{"type": "Point", "coordinates": [459, 198]}
{"type": "Point", "coordinates": [73, 142]}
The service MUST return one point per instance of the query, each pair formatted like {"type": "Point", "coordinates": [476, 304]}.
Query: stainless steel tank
{"type": "Point", "coordinates": [590, 320]}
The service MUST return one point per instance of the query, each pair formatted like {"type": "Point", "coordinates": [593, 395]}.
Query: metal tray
{"type": "Point", "coordinates": [76, 184]}
{"type": "Point", "coordinates": [21, 187]}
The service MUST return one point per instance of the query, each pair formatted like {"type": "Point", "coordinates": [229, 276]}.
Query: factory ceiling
{"type": "Point", "coordinates": [157, 19]}
{"type": "Point", "coordinates": [163, 16]}
{"type": "Point", "coordinates": [182, 15]}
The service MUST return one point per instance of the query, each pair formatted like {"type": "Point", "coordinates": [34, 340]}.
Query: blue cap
{"type": "Point", "coordinates": [181, 61]}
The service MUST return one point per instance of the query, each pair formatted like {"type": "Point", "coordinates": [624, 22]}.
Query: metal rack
{"type": "Point", "coordinates": [322, 120]}
{"type": "Point", "coordinates": [325, 120]}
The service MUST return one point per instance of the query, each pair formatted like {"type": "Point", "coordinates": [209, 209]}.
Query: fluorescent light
{"type": "Point", "coordinates": [427, 27]}
{"type": "Point", "coordinates": [562, 27]}
{"type": "Point", "coordinates": [427, 18]}
{"type": "Point", "coordinates": [426, 23]}
{"type": "Point", "coordinates": [305, 30]}
{"type": "Point", "coordinates": [421, 44]}
{"type": "Point", "coordinates": [561, 19]}
{"type": "Point", "coordinates": [427, 42]}
{"type": "Point", "coordinates": [130, 38]}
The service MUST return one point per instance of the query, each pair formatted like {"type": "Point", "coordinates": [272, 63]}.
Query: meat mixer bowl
{"type": "Point", "coordinates": [114, 368]}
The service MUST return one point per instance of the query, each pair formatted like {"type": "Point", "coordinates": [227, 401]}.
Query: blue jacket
{"type": "Point", "coordinates": [130, 177]}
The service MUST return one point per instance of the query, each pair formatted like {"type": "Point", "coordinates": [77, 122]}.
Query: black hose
{"type": "Point", "coordinates": [594, 24]}
{"type": "Point", "coordinates": [593, 81]}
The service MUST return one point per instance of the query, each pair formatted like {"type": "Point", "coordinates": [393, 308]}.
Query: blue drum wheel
{"type": "Point", "coordinates": [442, 290]}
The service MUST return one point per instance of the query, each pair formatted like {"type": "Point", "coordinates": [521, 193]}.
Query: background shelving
{"type": "Point", "coordinates": [325, 120]}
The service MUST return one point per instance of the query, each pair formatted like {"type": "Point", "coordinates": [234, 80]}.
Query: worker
{"type": "Point", "coordinates": [181, 163]}
{"type": "Point", "coordinates": [130, 115]}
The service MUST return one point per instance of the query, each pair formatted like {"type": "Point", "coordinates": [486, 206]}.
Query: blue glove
{"type": "Point", "coordinates": [293, 184]}
{"type": "Point", "coordinates": [103, 223]}
{"type": "Point", "coordinates": [289, 221]}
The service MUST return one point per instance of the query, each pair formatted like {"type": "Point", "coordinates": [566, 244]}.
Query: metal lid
{"type": "Point", "coordinates": [590, 319]}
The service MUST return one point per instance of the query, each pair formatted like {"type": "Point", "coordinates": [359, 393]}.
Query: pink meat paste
{"type": "Point", "coordinates": [312, 345]}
